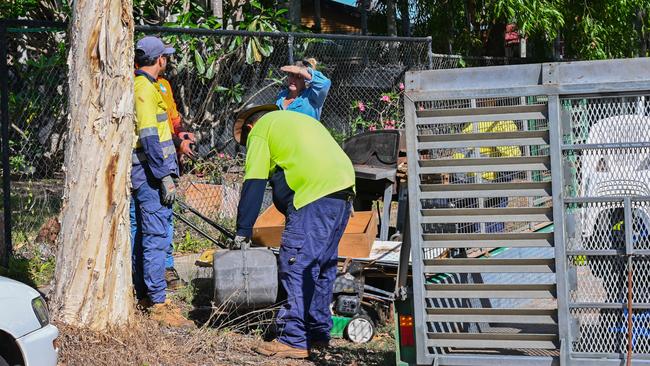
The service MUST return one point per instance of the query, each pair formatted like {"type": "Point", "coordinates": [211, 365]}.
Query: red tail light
{"type": "Point", "coordinates": [406, 338]}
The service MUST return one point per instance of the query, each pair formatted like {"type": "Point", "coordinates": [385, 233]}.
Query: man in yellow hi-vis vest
{"type": "Point", "coordinates": [183, 141]}
{"type": "Point", "coordinates": [489, 152]}
{"type": "Point", "coordinates": [154, 167]}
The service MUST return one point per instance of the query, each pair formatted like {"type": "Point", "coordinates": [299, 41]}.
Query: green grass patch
{"type": "Point", "coordinates": [34, 271]}
{"type": "Point", "coordinates": [192, 243]}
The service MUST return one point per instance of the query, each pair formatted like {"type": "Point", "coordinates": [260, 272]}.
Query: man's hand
{"type": "Point", "coordinates": [168, 188]}
{"type": "Point", "coordinates": [240, 242]}
{"type": "Point", "coordinates": [186, 148]}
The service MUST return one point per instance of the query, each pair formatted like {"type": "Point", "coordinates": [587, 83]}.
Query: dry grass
{"type": "Point", "coordinates": [228, 341]}
{"type": "Point", "coordinates": [146, 343]}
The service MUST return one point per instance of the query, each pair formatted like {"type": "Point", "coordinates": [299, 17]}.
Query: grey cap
{"type": "Point", "coordinates": [153, 47]}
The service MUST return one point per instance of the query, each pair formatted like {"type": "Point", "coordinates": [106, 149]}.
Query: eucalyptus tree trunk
{"type": "Point", "coordinates": [93, 271]}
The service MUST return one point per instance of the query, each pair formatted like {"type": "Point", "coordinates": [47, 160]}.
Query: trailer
{"type": "Point", "coordinates": [535, 157]}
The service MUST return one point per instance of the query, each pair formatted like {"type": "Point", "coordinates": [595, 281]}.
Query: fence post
{"type": "Point", "coordinates": [6, 170]}
{"type": "Point", "coordinates": [430, 51]}
{"type": "Point", "coordinates": [290, 44]}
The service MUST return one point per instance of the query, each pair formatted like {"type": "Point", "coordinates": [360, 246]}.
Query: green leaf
{"type": "Point", "coordinates": [210, 72]}
{"type": "Point", "coordinates": [200, 66]}
{"type": "Point", "coordinates": [182, 63]}
{"type": "Point", "coordinates": [250, 59]}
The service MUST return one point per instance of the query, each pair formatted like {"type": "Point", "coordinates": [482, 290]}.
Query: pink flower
{"type": "Point", "coordinates": [420, 108]}
{"type": "Point", "coordinates": [221, 155]}
{"type": "Point", "coordinates": [385, 98]}
{"type": "Point", "coordinates": [389, 125]}
{"type": "Point", "coordinates": [361, 106]}
{"type": "Point", "coordinates": [372, 128]}
{"type": "Point", "coordinates": [401, 86]}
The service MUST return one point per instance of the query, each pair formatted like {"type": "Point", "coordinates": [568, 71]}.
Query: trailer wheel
{"type": "Point", "coordinates": [360, 329]}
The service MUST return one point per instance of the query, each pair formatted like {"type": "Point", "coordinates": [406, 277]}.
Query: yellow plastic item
{"type": "Point", "coordinates": [206, 259]}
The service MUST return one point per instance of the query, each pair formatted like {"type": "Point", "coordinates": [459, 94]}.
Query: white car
{"type": "Point", "coordinates": [26, 335]}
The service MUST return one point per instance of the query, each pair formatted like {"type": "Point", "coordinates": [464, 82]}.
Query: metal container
{"type": "Point", "coordinates": [245, 279]}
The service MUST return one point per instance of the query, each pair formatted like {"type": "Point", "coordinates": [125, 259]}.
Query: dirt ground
{"type": "Point", "coordinates": [145, 343]}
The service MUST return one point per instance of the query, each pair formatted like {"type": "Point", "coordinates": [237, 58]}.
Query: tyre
{"type": "Point", "coordinates": [360, 329]}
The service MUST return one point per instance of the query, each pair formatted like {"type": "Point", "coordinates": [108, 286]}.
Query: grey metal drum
{"type": "Point", "coordinates": [245, 279]}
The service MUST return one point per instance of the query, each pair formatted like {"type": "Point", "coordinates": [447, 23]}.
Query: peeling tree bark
{"type": "Point", "coordinates": [93, 270]}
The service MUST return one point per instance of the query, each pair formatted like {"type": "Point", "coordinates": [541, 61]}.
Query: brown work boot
{"type": "Point", "coordinates": [144, 304]}
{"type": "Point", "coordinates": [277, 349]}
{"type": "Point", "coordinates": [167, 313]}
{"type": "Point", "coordinates": [174, 281]}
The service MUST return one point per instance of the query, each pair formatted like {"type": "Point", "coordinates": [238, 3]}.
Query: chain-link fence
{"type": "Point", "coordinates": [213, 74]}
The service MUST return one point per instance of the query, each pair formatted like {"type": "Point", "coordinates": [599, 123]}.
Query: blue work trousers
{"type": "Point", "coordinates": [169, 259]}
{"type": "Point", "coordinates": [151, 240]}
{"type": "Point", "coordinates": [307, 268]}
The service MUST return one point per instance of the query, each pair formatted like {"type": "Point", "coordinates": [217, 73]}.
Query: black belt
{"type": "Point", "coordinates": [344, 194]}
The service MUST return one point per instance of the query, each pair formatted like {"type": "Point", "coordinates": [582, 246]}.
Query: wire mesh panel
{"type": "Point", "coordinates": [37, 77]}
{"type": "Point", "coordinates": [607, 190]}
{"type": "Point", "coordinates": [213, 75]}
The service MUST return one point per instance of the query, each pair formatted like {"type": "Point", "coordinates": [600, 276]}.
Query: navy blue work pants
{"type": "Point", "coordinates": [307, 268]}
{"type": "Point", "coordinates": [169, 259]}
{"type": "Point", "coordinates": [151, 241]}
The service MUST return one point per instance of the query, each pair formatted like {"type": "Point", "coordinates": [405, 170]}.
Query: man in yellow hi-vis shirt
{"type": "Point", "coordinates": [490, 152]}
{"type": "Point", "coordinates": [316, 199]}
{"type": "Point", "coordinates": [183, 141]}
{"type": "Point", "coordinates": [153, 168]}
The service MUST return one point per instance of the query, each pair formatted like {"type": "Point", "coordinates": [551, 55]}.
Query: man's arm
{"type": "Point", "coordinates": [250, 203]}
{"type": "Point", "coordinates": [258, 166]}
{"type": "Point", "coordinates": [147, 124]}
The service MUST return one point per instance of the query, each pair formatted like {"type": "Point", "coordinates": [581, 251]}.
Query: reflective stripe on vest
{"type": "Point", "coordinates": [138, 157]}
